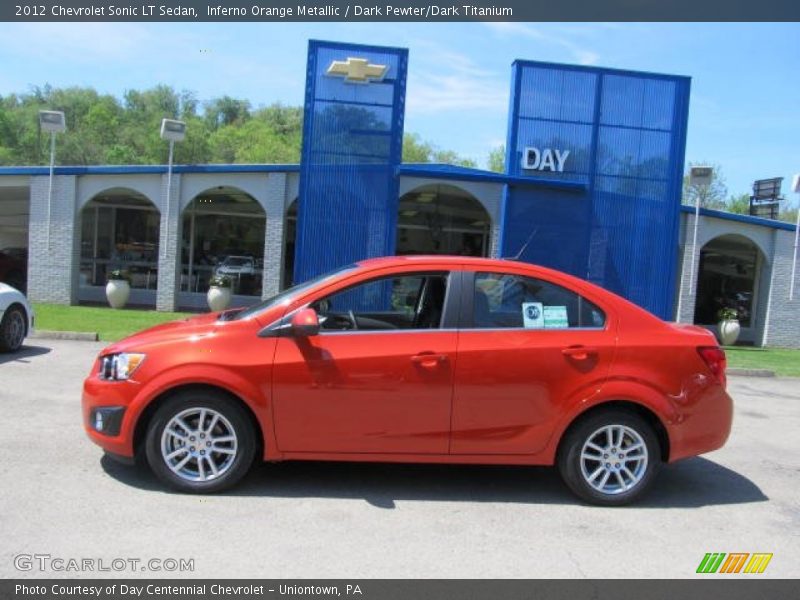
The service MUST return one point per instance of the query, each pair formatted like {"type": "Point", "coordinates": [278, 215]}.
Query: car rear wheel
{"type": "Point", "coordinates": [200, 441]}
{"type": "Point", "coordinates": [12, 329]}
{"type": "Point", "coordinates": [610, 458]}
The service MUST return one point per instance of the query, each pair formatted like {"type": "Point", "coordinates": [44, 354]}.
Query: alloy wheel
{"type": "Point", "coordinates": [199, 444]}
{"type": "Point", "coordinates": [614, 459]}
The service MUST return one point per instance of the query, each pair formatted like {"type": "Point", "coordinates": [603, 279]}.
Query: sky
{"type": "Point", "coordinates": [744, 108]}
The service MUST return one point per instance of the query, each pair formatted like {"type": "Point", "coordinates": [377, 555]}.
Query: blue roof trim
{"type": "Point", "coordinates": [593, 69]}
{"type": "Point", "coordinates": [434, 170]}
{"type": "Point", "coordinates": [452, 172]}
{"type": "Point", "coordinates": [145, 169]}
{"type": "Point", "coordinates": [720, 214]}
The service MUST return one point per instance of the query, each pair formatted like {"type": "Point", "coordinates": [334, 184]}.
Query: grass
{"type": "Point", "coordinates": [109, 323]}
{"type": "Point", "coordinates": [785, 363]}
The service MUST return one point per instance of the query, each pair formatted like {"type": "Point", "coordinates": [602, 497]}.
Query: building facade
{"type": "Point", "coordinates": [592, 187]}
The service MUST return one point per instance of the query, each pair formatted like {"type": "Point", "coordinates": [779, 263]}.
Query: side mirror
{"type": "Point", "coordinates": [305, 323]}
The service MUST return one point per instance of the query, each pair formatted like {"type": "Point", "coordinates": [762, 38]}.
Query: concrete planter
{"type": "Point", "coordinates": [729, 331]}
{"type": "Point", "coordinates": [117, 292]}
{"type": "Point", "coordinates": [218, 298]}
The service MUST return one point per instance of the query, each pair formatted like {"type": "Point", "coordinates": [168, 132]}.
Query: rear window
{"type": "Point", "coordinates": [503, 300]}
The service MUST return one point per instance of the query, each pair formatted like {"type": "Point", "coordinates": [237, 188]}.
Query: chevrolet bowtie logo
{"type": "Point", "coordinates": [357, 70]}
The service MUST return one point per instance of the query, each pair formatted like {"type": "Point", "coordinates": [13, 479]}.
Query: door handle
{"type": "Point", "coordinates": [579, 352]}
{"type": "Point", "coordinates": [429, 360]}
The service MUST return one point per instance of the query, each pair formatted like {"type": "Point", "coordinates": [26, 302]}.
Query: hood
{"type": "Point", "coordinates": [184, 329]}
{"type": "Point", "coordinates": [4, 287]}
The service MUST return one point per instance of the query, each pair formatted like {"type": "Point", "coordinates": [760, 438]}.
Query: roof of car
{"type": "Point", "coordinates": [432, 258]}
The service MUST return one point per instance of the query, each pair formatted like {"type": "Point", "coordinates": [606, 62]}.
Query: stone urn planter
{"type": "Point", "coordinates": [728, 326]}
{"type": "Point", "coordinates": [219, 293]}
{"type": "Point", "coordinates": [118, 289]}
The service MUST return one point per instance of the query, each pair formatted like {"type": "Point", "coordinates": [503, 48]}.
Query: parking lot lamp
{"type": "Point", "coordinates": [700, 178]}
{"type": "Point", "coordinates": [52, 121]}
{"type": "Point", "coordinates": [796, 190]}
{"type": "Point", "coordinates": [172, 131]}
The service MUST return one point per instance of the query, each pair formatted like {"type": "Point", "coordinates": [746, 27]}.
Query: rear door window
{"type": "Point", "coordinates": [505, 300]}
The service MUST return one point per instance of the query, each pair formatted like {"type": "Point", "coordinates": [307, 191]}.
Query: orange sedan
{"type": "Point", "coordinates": [417, 359]}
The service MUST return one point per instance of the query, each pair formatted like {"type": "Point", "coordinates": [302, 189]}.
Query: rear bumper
{"type": "Point", "coordinates": [704, 427]}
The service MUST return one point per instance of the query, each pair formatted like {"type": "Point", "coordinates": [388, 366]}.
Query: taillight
{"type": "Point", "coordinates": [714, 357]}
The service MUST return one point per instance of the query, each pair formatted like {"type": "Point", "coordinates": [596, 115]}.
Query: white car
{"type": "Point", "coordinates": [237, 265]}
{"type": "Point", "coordinates": [16, 318]}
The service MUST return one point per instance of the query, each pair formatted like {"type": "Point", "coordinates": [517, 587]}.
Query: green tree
{"type": "Point", "coordinates": [497, 159]}
{"type": "Point", "coordinates": [739, 204]}
{"type": "Point", "coordinates": [788, 215]}
{"type": "Point", "coordinates": [415, 150]}
{"type": "Point", "coordinates": [710, 196]}
{"type": "Point", "coordinates": [103, 129]}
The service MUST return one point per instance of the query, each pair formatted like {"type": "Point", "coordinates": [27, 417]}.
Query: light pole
{"type": "Point", "coordinates": [700, 178]}
{"type": "Point", "coordinates": [172, 131]}
{"type": "Point", "coordinates": [796, 190]}
{"type": "Point", "coordinates": [52, 121]}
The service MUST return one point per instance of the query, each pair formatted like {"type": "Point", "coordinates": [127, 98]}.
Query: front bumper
{"type": "Point", "coordinates": [110, 401]}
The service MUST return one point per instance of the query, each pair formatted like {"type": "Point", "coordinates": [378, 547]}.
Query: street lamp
{"type": "Point", "coordinates": [796, 190]}
{"type": "Point", "coordinates": [52, 121]}
{"type": "Point", "coordinates": [172, 131]}
{"type": "Point", "coordinates": [701, 178]}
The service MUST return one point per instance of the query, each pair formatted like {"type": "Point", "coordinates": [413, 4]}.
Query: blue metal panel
{"type": "Point", "coordinates": [626, 133]}
{"type": "Point", "coordinates": [352, 142]}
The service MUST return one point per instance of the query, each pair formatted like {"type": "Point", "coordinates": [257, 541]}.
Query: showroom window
{"type": "Point", "coordinates": [503, 300]}
{"type": "Point", "coordinates": [727, 278]}
{"type": "Point", "coordinates": [120, 230]}
{"type": "Point", "coordinates": [223, 234]}
{"type": "Point", "coordinates": [390, 303]}
{"type": "Point", "coordinates": [442, 219]}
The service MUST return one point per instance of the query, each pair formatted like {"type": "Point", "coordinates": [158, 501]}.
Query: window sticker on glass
{"type": "Point", "coordinates": [555, 317]}
{"type": "Point", "coordinates": [532, 315]}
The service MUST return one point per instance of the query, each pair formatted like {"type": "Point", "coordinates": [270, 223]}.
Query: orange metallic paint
{"type": "Point", "coordinates": [448, 395]}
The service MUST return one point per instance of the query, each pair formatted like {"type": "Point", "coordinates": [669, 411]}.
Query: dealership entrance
{"type": "Point", "coordinates": [222, 234]}
{"type": "Point", "coordinates": [728, 276]}
{"type": "Point", "coordinates": [442, 219]}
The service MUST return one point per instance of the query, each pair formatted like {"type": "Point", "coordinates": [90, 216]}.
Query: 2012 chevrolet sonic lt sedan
{"type": "Point", "coordinates": [417, 359]}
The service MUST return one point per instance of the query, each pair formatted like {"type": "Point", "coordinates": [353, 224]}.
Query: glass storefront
{"type": "Point", "coordinates": [120, 230]}
{"type": "Point", "coordinates": [727, 278]}
{"type": "Point", "coordinates": [223, 234]}
{"type": "Point", "coordinates": [442, 219]}
{"type": "Point", "coordinates": [433, 219]}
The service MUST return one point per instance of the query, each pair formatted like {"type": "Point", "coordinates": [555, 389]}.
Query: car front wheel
{"type": "Point", "coordinates": [200, 441]}
{"type": "Point", "coordinates": [610, 458]}
{"type": "Point", "coordinates": [12, 329]}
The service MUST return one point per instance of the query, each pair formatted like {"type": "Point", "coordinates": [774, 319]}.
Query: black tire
{"type": "Point", "coordinates": [233, 417]}
{"type": "Point", "coordinates": [13, 329]}
{"type": "Point", "coordinates": [572, 471]}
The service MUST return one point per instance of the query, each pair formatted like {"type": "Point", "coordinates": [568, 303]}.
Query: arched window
{"type": "Point", "coordinates": [119, 230]}
{"type": "Point", "coordinates": [442, 219]}
{"type": "Point", "coordinates": [727, 278]}
{"type": "Point", "coordinates": [223, 234]}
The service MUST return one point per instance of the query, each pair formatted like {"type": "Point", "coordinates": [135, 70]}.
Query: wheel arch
{"type": "Point", "coordinates": [143, 421]}
{"type": "Point", "coordinates": [630, 406]}
{"type": "Point", "coordinates": [24, 310]}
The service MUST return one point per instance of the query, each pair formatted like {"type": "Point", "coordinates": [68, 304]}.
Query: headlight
{"type": "Point", "coordinates": [117, 367]}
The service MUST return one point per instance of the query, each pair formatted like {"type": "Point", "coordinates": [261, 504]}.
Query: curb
{"type": "Point", "coordinates": [752, 372]}
{"type": "Point", "coordinates": [81, 336]}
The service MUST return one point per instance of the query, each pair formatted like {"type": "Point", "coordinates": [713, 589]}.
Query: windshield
{"type": "Point", "coordinates": [289, 293]}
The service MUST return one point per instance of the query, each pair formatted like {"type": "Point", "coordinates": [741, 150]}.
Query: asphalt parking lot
{"type": "Point", "coordinates": [60, 497]}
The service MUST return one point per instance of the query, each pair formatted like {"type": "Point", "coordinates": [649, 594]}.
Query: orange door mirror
{"type": "Point", "coordinates": [305, 323]}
